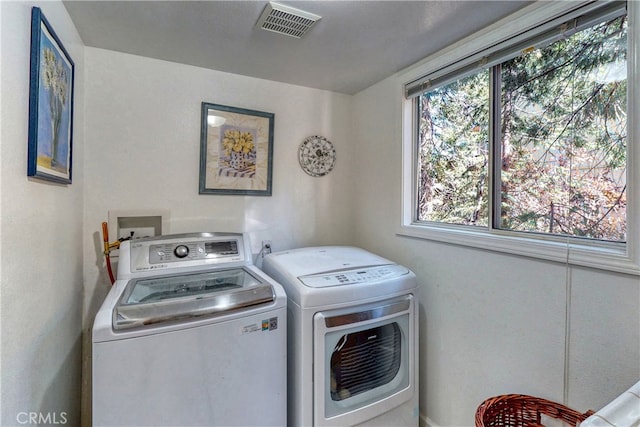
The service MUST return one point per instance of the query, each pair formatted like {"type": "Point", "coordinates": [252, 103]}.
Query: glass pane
{"type": "Point", "coordinates": [453, 152]}
{"type": "Point", "coordinates": [169, 287]}
{"type": "Point", "coordinates": [564, 136]}
{"type": "Point", "coordinates": [146, 302]}
{"type": "Point", "coordinates": [365, 360]}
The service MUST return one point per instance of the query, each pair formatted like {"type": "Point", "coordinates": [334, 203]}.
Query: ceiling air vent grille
{"type": "Point", "coordinates": [286, 20]}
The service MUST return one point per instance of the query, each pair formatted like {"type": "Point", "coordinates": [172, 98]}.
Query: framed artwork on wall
{"type": "Point", "coordinates": [236, 151]}
{"type": "Point", "coordinates": [50, 104]}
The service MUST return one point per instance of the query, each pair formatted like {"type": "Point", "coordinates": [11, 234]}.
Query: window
{"type": "Point", "coordinates": [453, 152]}
{"type": "Point", "coordinates": [563, 134]}
{"type": "Point", "coordinates": [527, 139]}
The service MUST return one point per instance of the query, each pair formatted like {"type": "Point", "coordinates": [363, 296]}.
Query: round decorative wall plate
{"type": "Point", "coordinates": [317, 156]}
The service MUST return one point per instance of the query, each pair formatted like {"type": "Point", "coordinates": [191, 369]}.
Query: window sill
{"type": "Point", "coordinates": [609, 257]}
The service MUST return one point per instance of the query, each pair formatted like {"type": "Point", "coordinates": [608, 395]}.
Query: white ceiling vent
{"type": "Point", "coordinates": [286, 20]}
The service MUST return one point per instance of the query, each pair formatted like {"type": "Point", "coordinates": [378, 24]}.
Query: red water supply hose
{"type": "Point", "coordinates": [105, 239]}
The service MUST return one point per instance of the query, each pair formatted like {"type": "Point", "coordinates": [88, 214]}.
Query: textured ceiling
{"type": "Point", "coordinates": [354, 45]}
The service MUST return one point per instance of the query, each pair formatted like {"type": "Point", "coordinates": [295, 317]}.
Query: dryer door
{"type": "Point", "coordinates": [364, 364]}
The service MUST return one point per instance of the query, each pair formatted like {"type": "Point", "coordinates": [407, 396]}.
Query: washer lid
{"type": "Point", "coordinates": [166, 298]}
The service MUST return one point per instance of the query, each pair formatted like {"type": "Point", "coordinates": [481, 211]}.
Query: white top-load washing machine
{"type": "Point", "coordinates": [191, 333]}
{"type": "Point", "coordinates": [352, 337]}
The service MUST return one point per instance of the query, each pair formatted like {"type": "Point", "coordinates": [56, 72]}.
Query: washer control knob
{"type": "Point", "coordinates": [181, 251]}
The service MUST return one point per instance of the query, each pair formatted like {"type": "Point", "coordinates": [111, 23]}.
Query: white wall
{"type": "Point", "coordinates": [492, 323]}
{"type": "Point", "coordinates": [40, 237]}
{"type": "Point", "coordinates": [142, 152]}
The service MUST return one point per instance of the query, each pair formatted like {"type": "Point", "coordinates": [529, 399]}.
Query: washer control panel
{"type": "Point", "coordinates": [350, 277]}
{"type": "Point", "coordinates": [187, 250]}
{"type": "Point", "coordinates": [173, 252]}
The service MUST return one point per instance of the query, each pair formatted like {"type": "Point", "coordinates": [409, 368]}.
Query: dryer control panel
{"type": "Point", "coordinates": [350, 277]}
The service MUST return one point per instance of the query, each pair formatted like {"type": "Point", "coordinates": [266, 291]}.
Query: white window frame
{"type": "Point", "coordinates": [618, 257]}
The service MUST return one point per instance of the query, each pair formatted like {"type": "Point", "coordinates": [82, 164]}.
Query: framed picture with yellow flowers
{"type": "Point", "coordinates": [50, 104]}
{"type": "Point", "coordinates": [236, 151]}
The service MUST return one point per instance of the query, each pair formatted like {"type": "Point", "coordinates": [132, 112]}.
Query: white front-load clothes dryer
{"type": "Point", "coordinates": [191, 334]}
{"type": "Point", "coordinates": [352, 337]}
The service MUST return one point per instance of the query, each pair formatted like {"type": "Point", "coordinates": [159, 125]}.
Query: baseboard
{"type": "Point", "coordinates": [426, 422]}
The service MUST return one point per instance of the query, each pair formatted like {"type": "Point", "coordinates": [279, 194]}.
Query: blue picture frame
{"type": "Point", "coordinates": [51, 81]}
{"type": "Point", "coordinates": [236, 151]}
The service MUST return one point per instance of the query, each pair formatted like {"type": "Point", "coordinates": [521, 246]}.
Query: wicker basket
{"type": "Point", "coordinates": [519, 410]}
